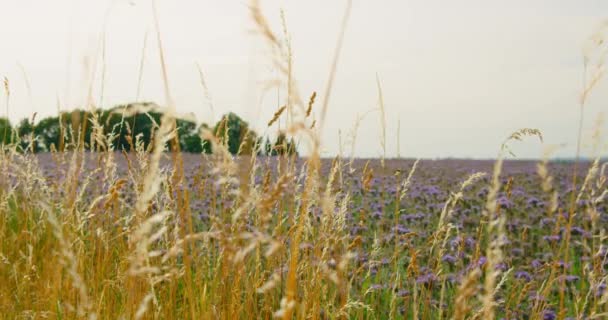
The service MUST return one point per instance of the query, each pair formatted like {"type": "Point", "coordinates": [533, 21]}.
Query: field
{"type": "Point", "coordinates": [140, 212]}
{"type": "Point", "coordinates": [229, 238]}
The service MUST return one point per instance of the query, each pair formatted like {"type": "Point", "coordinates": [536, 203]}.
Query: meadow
{"type": "Point", "coordinates": [412, 239]}
{"type": "Point", "coordinates": [92, 231]}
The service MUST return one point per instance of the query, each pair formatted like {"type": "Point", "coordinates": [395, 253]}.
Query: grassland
{"type": "Point", "coordinates": [160, 234]}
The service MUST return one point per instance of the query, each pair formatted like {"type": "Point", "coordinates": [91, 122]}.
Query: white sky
{"type": "Point", "coordinates": [461, 75]}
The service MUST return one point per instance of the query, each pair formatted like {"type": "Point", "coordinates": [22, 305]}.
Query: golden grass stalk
{"type": "Point", "coordinates": [334, 66]}
{"type": "Point", "coordinates": [382, 120]}
{"type": "Point", "coordinates": [405, 185]}
{"type": "Point", "coordinates": [206, 90]}
{"type": "Point", "coordinates": [495, 231]}
{"type": "Point", "coordinates": [276, 115]}
{"type": "Point", "coordinates": [353, 139]}
{"type": "Point", "coordinates": [495, 227]}
{"type": "Point", "coordinates": [466, 291]}
{"type": "Point", "coordinates": [70, 262]}
{"type": "Point", "coordinates": [7, 92]}
{"type": "Point", "coordinates": [398, 138]}
{"type": "Point", "coordinates": [311, 101]}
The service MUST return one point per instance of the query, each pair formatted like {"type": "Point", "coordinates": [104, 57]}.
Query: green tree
{"type": "Point", "coordinates": [259, 146]}
{"type": "Point", "coordinates": [267, 147]}
{"type": "Point", "coordinates": [48, 131]}
{"type": "Point", "coordinates": [190, 139]}
{"type": "Point", "coordinates": [6, 131]}
{"type": "Point", "coordinates": [205, 144]}
{"type": "Point", "coordinates": [234, 131]}
{"type": "Point", "coordinates": [128, 123]}
{"type": "Point", "coordinates": [25, 131]}
{"type": "Point", "coordinates": [282, 146]}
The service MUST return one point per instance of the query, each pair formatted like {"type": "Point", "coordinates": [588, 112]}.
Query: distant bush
{"type": "Point", "coordinates": [127, 125]}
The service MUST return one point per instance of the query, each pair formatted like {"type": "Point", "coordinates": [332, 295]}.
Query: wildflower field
{"type": "Point", "coordinates": [106, 225]}
{"type": "Point", "coordinates": [233, 238]}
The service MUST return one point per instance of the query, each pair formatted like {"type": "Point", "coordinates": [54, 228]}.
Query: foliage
{"type": "Point", "coordinates": [5, 131]}
{"type": "Point", "coordinates": [283, 146]}
{"type": "Point", "coordinates": [74, 129]}
{"type": "Point", "coordinates": [235, 133]}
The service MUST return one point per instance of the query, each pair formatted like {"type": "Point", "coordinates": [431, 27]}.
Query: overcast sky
{"type": "Point", "coordinates": [460, 75]}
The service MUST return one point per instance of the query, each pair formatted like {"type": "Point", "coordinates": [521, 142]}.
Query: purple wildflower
{"type": "Point", "coordinates": [523, 275]}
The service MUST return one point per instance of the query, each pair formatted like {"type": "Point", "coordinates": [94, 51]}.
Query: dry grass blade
{"type": "Point", "coordinates": [206, 90]}
{"type": "Point", "coordinates": [7, 92]}
{"type": "Point", "coordinates": [276, 115]}
{"type": "Point", "coordinates": [518, 136]}
{"type": "Point", "coordinates": [382, 120]}
{"type": "Point", "coordinates": [466, 291]}
{"type": "Point", "coordinates": [334, 65]}
{"type": "Point", "coordinates": [311, 101]}
{"type": "Point", "coordinates": [260, 21]}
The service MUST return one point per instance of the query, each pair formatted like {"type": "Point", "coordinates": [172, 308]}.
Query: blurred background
{"type": "Point", "coordinates": [459, 76]}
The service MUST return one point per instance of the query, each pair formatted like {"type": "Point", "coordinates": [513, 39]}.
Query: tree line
{"type": "Point", "coordinates": [133, 124]}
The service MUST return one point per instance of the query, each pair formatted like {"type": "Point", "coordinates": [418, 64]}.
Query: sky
{"type": "Point", "coordinates": [457, 76]}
